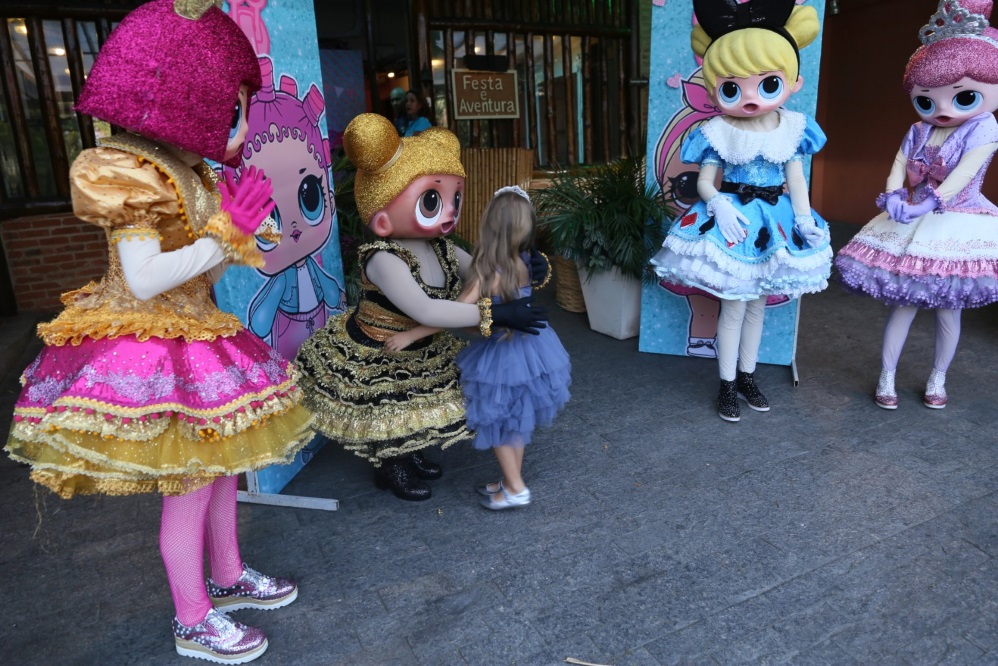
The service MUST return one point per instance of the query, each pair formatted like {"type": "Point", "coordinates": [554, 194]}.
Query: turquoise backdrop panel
{"type": "Point", "coordinates": [675, 319]}
{"type": "Point", "coordinates": [302, 282]}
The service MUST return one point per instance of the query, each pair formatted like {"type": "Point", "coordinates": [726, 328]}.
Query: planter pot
{"type": "Point", "coordinates": [613, 303]}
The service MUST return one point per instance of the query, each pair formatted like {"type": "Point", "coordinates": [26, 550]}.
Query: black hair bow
{"type": "Point", "coordinates": [719, 17]}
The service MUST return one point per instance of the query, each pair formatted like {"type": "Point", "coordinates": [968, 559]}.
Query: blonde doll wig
{"type": "Point", "coordinates": [752, 51]}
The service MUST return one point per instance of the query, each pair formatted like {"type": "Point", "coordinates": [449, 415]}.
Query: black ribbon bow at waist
{"type": "Point", "coordinates": [747, 193]}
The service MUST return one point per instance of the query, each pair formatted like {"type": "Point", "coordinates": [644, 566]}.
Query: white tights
{"type": "Point", "coordinates": [739, 333]}
{"type": "Point", "coordinates": [896, 332]}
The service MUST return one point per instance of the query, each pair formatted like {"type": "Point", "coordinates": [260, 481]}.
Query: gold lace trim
{"type": "Point", "coordinates": [71, 463]}
{"type": "Point", "coordinates": [239, 248]}
{"type": "Point", "coordinates": [379, 323]}
{"type": "Point", "coordinates": [134, 233]}
{"type": "Point", "coordinates": [111, 422]}
{"type": "Point", "coordinates": [157, 319]}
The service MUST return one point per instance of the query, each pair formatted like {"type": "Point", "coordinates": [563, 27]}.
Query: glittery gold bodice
{"type": "Point", "coordinates": [135, 189]}
{"type": "Point", "coordinates": [378, 317]}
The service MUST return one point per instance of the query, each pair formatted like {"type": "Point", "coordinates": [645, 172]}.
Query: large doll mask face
{"type": "Point", "coordinates": [949, 106]}
{"type": "Point", "coordinates": [753, 96]}
{"type": "Point", "coordinates": [240, 125]}
{"type": "Point", "coordinates": [430, 207]}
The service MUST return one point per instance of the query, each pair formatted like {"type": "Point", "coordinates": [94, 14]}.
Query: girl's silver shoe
{"type": "Point", "coordinates": [509, 500]}
{"type": "Point", "coordinates": [485, 491]}
{"type": "Point", "coordinates": [220, 639]}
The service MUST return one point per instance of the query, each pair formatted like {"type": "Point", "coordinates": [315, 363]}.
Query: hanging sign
{"type": "Point", "coordinates": [484, 95]}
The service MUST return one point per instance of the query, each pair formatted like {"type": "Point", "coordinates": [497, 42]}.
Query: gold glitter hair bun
{"type": "Point", "coordinates": [386, 164]}
{"type": "Point", "coordinates": [370, 141]}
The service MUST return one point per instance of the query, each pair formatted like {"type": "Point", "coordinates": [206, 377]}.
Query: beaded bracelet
{"type": "Point", "coordinates": [485, 312]}
{"type": "Point", "coordinates": [547, 276]}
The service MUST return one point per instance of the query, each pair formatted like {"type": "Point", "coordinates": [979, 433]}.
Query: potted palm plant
{"type": "Point", "coordinates": [609, 222]}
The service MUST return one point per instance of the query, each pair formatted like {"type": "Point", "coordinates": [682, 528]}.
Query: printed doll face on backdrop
{"type": "Point", "coordinates": [304, 212]}
{"type": "Point", "coordinates": [240, 125]}
{"type": "Point", "coordinates": [949, 106]}
{"type": "Point", "coordinates": [428, 208]}
{"type": "Point", "coordinates": [751, 96]}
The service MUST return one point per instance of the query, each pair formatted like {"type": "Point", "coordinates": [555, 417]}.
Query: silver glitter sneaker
{"type": "Point", "coordinates": [220, 639]}
{"type": "Point", "coordinates": [253, 590]}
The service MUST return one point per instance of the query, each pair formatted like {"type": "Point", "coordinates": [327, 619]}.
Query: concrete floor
{"type": "Point", "coordinates": [826, 531]}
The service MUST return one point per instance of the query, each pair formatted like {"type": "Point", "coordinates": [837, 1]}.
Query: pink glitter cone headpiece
{"type": "Point", "coordinates": [171, 72]}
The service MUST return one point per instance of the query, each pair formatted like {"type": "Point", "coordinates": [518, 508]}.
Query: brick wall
{"type": "Point", "coordinates": [51, 254]}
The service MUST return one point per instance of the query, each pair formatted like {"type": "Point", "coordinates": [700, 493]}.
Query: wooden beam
{"type": "Point", "coordinates": [74, 56]}
{"type": "Point", "coordinates": [19, 121]}
{"type": "Point", "coordinates": [49, 105]}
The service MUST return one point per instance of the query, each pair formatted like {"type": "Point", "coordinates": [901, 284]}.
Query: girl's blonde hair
{"type": "Point", "coordinates": [752, 51]}
{"type": "Point", "coordinates": [506, 231]}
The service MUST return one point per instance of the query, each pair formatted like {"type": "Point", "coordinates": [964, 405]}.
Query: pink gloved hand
{"type": "Point", "coordinates": [895, 206]}
{"type": "Point", "coordinates": [915, 211]}
{"type": "Point", "coordinates": [247, 202]}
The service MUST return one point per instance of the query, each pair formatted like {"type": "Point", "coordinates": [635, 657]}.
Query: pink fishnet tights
{"type": "Point", "coordinates": [205, 516]}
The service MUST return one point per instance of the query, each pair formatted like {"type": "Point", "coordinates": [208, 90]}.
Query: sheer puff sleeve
{"type": "Point", "coordinates": [112, 189]}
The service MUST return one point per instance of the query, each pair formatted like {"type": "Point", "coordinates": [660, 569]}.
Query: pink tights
{"type": "Point", "coordinates": [190, 522]}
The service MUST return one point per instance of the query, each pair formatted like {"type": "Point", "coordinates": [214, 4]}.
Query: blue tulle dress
{"type": "Point", "coordinates": [513, 383]}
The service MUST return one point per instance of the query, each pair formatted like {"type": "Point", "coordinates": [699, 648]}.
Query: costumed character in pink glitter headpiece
{"type": "Point", "coordinates": [284, 134]}
{"type": "Point", "coordinates": [938, 249]}
{"type": "Point", "coordinates": [384, 406]}
{"type": "Point", "coordinates": [144, 385]}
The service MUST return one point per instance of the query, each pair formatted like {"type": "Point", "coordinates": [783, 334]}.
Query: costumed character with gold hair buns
{"type": "Point", "coordinates": [385, 406]}
{"type": "Point", "coordinates": [143, 384]}
{"type": "Point", "coordinates": [750, 239]}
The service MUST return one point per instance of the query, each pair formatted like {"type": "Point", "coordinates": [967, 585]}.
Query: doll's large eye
{"type": "Point", "coordinates": [457, 206]}
{"type": "Point", "coordinates": [237, 121]}
{"type": "Point", "coordinates": [924, 105]}
{"type": "Point", "coordinates": [266, 246]}
{"type": "Point", "coordinates": [729, 92]}
{"type": "Point", "coordinates": [311, 200]}
{"type": "Point", "coordinates": [428, 208]}
{"type": "Point", "coordinates": [967, 100]}
{"type": "Point", "coordinates": [771, 87]}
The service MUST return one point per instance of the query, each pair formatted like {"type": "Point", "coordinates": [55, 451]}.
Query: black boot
{"type": "Point", "coordinates": [397, 474]}
{"type": "Point", "coordinates": [727, 402]}
{"type": "Point", "coordinates": [424, 469]}
{"type": "Point", "coordinates": [747, 389]}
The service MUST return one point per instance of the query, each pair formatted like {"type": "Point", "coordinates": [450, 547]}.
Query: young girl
{"type": "Point", "coordinates": [749, 240]}
{"type": "Point", "coordinates": [143, 384]}
{"type": "Point", "coordinates": [512, 382]}
{"type": "Point", "coordinates": [940, 250]}
{"type": "Point", "coordinates": [386, 408]}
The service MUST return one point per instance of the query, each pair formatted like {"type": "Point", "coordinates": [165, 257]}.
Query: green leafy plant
{"type": "Point", "coordinates": [353, 231]}
{"type": "Point", "coordinates": [603, 217]}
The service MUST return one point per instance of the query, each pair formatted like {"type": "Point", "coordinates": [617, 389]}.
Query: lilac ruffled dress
{"type": "Point", "coordinates": [513, 383]}
{"type": "Point", "coordinates": [945, 259]}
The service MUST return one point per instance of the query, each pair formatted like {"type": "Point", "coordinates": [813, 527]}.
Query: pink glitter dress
{"type": "Point", "coordinates": [165, 394]}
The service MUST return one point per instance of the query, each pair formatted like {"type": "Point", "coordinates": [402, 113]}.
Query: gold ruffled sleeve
{"type": "Point", "coordinates": [239, 248]}
{"type": "Point", "coordinates": [112, 188]}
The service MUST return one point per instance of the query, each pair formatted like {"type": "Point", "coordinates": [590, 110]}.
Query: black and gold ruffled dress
{"type": "Point", "coordinates": [166, 394]}
{"type": "Point", "coordinates": [381, 404]}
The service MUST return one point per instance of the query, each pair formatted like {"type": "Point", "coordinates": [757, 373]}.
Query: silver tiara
{"type": "Point", "coordinates": [515, 189]}
{"type": "Point", "coordinates": [952, 20]}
